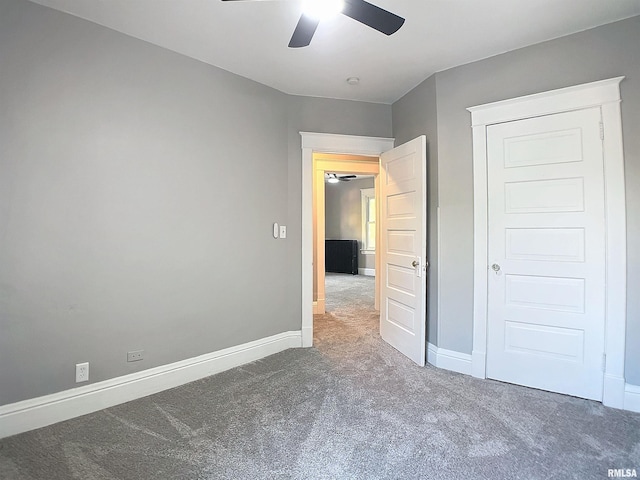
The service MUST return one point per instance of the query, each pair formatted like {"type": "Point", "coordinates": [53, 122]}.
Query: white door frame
{"type": "Point", "coordinates": [324, 143]}
{"type": "Point", "coordinates": [606, 95]}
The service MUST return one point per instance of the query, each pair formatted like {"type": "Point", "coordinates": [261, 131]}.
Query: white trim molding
{"type": "Point", "coordinates": [449, 359]}
{"type": "Point", "coordinates": [323, 143]}
{"type": "Point", "coordinates": [604, 94]}
{"type": "Point", "coordinates": [632, 397]}
{"type": "Point", "coordinates": [42, 411]}
{"type": "Point", "coordinates": [368, 272]}
{"type": "Point", "coordinates": [366, 194]}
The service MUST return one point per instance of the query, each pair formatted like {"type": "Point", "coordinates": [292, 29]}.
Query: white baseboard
{"type": "Point", "coordinates": [478, 364]}
{"type": "Point", "coordinates": [369, 272]}
{"type": "Point", "coordinates": [42, 411]}
{"type": "Point", "coordinates": [632, 397]}
{"type": "Point", "coordinates": [449, 360]}
{"type": "Point", "coordinates": [613, 391]}
{"type": "Point", "coordinates": [462, 363]}
{"type": "Point", "coordinates": [432, 354]}
{"type": "Point", "coordinates": [307, 337]}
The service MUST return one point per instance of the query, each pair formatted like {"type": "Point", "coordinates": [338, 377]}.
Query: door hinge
{"type": "Point", "coordinates": [604, 362]}
{"type": "Point", "coordinates": [601, 131]}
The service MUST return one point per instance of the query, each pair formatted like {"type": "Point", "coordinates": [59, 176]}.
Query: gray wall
{"type": "Point", "coordinates": [343, 214]}
{"type": "Point", "coordinates": [137, 192]}
{"type": "Point", "coordinates": [415, 114]}
{"type": "Point", "coordinates": [604, 52]}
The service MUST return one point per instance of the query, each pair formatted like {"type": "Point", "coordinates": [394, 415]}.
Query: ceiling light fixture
{"type": "Point", "coordinates": [322, 9]}
{"type": "Point", "coordinates": [333, 178]}
{"type": "Point", "coordinates": [353, 80]}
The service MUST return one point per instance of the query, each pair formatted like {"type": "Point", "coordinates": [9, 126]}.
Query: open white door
{"type": "Point", "coordinates": [403, 248]}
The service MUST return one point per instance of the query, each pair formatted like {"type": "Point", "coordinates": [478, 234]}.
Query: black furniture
{"type": "Point", "coordinates": [341, 256]}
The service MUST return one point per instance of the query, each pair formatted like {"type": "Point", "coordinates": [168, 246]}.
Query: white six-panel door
{"type": "Point", "coordinates": [546, 285]}
{"type": "Point", "coordinates": [403, 247]}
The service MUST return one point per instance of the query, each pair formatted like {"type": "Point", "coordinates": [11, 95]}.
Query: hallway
{"type": "Point", "coordinates": [350, 315]}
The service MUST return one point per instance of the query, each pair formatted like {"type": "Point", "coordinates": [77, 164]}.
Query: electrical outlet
{"type": "Point", "coordinates": [82, 372]}
{"type": "Point", "coordinates": [283, 231]}
{"type": "Point", "coordinates": [135, 356]}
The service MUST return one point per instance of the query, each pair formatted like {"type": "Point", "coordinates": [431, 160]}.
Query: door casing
{"type": "Point", "coordinates": [324, 143]}
{"type": "Point", "coordinates": [606, 95]}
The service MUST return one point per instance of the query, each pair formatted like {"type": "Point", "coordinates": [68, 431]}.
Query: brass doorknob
{"type": "Point", "coordinates": [415, 263]}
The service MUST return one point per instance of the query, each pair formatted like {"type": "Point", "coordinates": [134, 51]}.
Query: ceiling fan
{"type": "Point", "coordinates": [333, 178]}
{"type": "Point", "coordinates": [361, 11]}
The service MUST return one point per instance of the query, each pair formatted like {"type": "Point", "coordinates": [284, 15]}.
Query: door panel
{"type": "Point", "coordinates": [546, 247]}
{"type": "Point", "coordinates": [402, 242]}
{"type": "Point", "coordinates": [542, 196]}
{"type": "Point", "coordinates": [551, 244]}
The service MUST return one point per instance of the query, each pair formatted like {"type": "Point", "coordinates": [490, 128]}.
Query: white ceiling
{"type": "Point", "coordinates": [250, 38]}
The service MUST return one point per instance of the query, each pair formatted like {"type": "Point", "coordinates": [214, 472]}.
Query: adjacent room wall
{"type": "Point", "coordinates": [343, 215]}
{"type": "Point", "coordinates": [137, 192]}
{"type": "Point", "coordinates": [595, 54]}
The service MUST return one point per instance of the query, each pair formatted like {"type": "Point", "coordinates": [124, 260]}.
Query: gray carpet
{"type": "Point", "coordinates": [349, 408]}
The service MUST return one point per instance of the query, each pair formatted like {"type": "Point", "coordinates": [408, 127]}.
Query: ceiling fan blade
{"type": "Point", "coordinates": [372, 16]}
{"type": "Point", "coordinates": [304, 31]}
{"type": "Point", "coordinates": [347, 177]}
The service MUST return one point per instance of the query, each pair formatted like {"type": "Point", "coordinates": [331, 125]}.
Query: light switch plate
{"type": "Point", "coordinates": [283, 231]}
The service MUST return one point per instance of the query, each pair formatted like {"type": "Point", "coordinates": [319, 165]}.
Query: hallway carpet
{"type": "Point", "coordinates": [351, 407]}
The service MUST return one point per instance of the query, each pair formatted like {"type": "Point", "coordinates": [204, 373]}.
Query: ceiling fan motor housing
{"type": "Point", "coordinates": [364, 12]}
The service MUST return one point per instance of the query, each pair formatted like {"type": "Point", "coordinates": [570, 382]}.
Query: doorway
{"type": "Point", "coordinates": [323, 143]}
{"type": "Point", "coordinates": [401, 258]}
{"type": "Point", "coordinates": [333, 164]}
